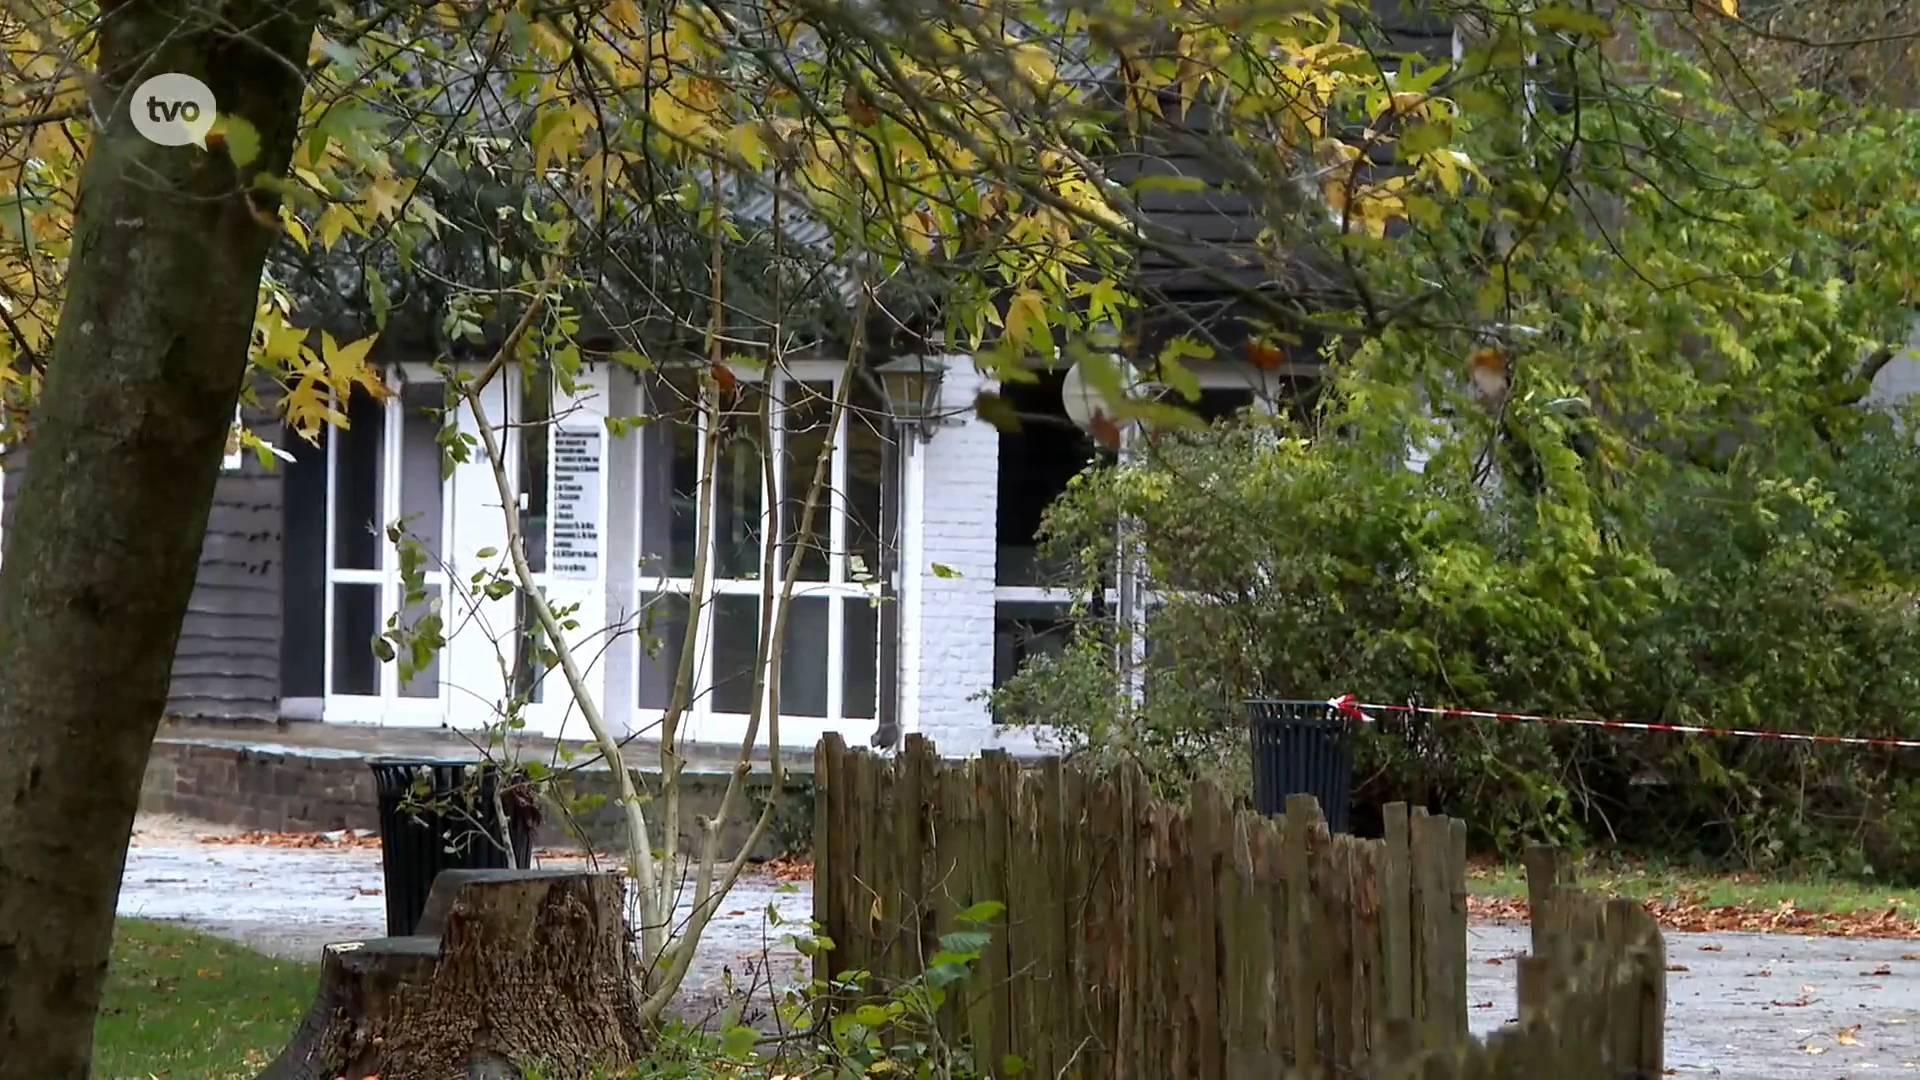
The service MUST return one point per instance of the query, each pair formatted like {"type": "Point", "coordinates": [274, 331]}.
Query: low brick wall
{"type": "Point", "coordinates": [299, 789]}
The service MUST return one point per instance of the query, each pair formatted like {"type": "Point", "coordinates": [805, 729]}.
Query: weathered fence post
{"type": "Point", "coordinates": [1547, 868]}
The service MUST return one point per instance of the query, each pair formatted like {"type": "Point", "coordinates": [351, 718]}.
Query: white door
{"type": "Point", "coordinates": [384, 468]}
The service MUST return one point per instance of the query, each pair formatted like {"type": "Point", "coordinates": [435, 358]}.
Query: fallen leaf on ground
{"type": "Point", "coordinates": [789, 867]}
{"type": "Point", "coordinates": [1678, 967]}
{"type": "Point", "coordinates": [1493, 961]}
{"type": "Point", "coordinates": [1763, 973]}
{"type": "Point", "coordinates": [1713, 948]}
{"type": "Point", "coordinates": [1846, 1036]}
{"type": "Point", "coordinates": [1484, 1005]}
{"type": "Point", "coordinates": [1691, 914]}
{"type": "Point", "coordinates": [1812, 1049]}
{"type": "Point", "coordinates": [339, 838]}
{"type": "Point", "coordinates": [1881, 970]}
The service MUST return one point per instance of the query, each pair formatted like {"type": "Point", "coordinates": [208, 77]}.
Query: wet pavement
{"type": "Point", "coordinates": [1753, 1006]}
{"type": "Point", "coordinates": [1740, 1006]}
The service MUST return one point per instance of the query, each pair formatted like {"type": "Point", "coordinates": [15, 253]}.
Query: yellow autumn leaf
{"type": "Point", "coordinates": [1730, 8]}
{"type": "Point", "coordinates": [1027, 319]}
{"type": "Point", "coordinates": [309, 409]}
{"type": "Point", "coordinates": [295, 227]}
{"type": "Point", "coordinates": [383, 197]}
{"type": "Point", "coordinates": [1034, 65]}
{"type": "Point", "coordinates": [280, 340]}
{"type": "Point", "coordinates": [333, 220]}
{"type": "Point", "coordinates": [344, 362]}
{"type": "Point", "coordinates": [749, 145]}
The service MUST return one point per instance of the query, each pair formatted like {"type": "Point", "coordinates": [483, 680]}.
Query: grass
{"type": "Point", "coordinates": [1679, 883]}
{"type": "Point", "coordinates": [184, 1006]}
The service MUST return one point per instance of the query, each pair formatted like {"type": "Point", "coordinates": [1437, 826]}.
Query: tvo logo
{"type": "Point", "coordinates": [172, 110]}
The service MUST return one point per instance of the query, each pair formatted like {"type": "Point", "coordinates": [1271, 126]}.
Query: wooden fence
{"type": "Point", "coordinates": [1141, 940]}
{"type": "Point", "coordinates": [1592, 998]}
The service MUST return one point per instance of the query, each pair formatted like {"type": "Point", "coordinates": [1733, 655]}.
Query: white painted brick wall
{"type": "Point", "coordinates": [947, 621]}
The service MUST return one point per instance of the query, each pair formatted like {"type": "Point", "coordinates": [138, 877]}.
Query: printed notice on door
{"type": "Point", "coordinates": [576, 503]}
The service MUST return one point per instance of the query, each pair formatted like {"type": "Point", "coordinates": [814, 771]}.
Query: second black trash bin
{"type": "Point", "coordinates": [453, 826]}
{"type": "Point", "coordinates": [1301, 747]}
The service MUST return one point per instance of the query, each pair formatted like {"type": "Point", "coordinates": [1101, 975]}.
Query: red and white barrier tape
{"type": "Point", "coordinates": [1359, 711]}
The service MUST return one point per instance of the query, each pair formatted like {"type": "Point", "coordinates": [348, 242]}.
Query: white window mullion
{"type": "Point", "coordinates": [327, 604]}
{"type": "Point", "coordinates": [707, 513]}
{"type": "Point", "coordinates": [837, 502]}
{"type": "Point", "coordinates": [391, 443]}
{"type": "Point", "coordinates": [836, 653]}
{"type": "Point", "coordinates": [778, 386]}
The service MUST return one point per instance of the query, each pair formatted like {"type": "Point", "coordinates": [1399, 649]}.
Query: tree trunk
{"type": "Point", "coordinates": [514, 970]}
{"type": "Point", "coordinates": [99, 564]}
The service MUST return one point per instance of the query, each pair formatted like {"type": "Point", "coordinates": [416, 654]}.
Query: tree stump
{"type": "Point", "coordinates": [514, 971]}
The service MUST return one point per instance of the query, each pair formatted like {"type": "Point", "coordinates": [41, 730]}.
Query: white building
{"type": "Point", "coordinates": [932, 593]}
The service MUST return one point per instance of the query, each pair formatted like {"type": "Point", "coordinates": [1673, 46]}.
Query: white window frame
{"type": "Point", "coordinates": [387, 706]}
{"type": "Point", "coordinates": [701, 721]}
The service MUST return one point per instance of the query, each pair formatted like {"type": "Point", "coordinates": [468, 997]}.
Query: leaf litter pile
{"type": "Point", "coordinates": [1689, 913]}
{"type": "Point", "coordinates": [339, 838]}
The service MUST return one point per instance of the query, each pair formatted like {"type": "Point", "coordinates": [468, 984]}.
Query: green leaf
{"type": "Point", "coordinates": [1167, 183]}
{"type": "Point", "coordinates": [242, 138]}
{"type": "Point", "coordinates": [1423, 139]}
{"type": "Point", "coordinates": [942, 570]}
{"type": "Point", "coordinates": [738, 1042]}
{"type": "Point", "coordinates": [997, 410]}
{"type": "Point", "coordinates": [965, 941]}
{"type": "Point", "coordinates": [981, 912]}
{"type": "Point", "coordinates": [1570, 20]}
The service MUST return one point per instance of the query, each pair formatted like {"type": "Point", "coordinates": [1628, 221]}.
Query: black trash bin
{"type": "Point", "coordinates": [453, 826]}
{"type": "Point", "coordinates": [1301, 747]}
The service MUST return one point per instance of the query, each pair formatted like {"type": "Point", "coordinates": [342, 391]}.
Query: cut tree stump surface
{"type": "Point", "coordinates": [516, 970]}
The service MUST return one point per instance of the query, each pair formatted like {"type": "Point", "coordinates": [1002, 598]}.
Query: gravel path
{"type": "Point", "coordinates": [1744, 1007]}
{"type": "Point", "coordinates": [1754, 1006]}
{"type": "Point", "coordinates": [290, 902]}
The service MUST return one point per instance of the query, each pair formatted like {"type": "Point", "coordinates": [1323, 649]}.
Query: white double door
{"type": "Point", "coordinates": [385, 469]}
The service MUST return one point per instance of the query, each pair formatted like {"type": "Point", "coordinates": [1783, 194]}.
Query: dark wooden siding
{"type": "Point", "coordinates": [227, 663]}
{"type": "Point", "coordinates": [227, 666]}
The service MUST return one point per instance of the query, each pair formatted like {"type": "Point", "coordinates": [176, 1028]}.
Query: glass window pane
{"type": "Point", "coordinates": [1037, 462]}
{"type": "Point", "coordinates": [739, 486]}
{"type": "Point", "coordinates": [809, 410]}
{"type": "Point", "coordinates": [535, 438]}
{"type": "Point", "coordinates": [422, 496]}
{"type": "Point", "coordinates": [663, 633]}
{"type": "Point", "coordinates": [736, 645]}
{"type": "Point", "coordinates": [1220, 403]}
{"type": "Point", "coordinates": [356, 619]}
{"type": "Point", "coordinates": [866, 477]}
{"type": "Point", "coordinates": [1025, 630]}
{"type": "Point", "coordinates": [358, 531]}
{"type": "Point", "coordinates": [670, 477]}
{"type": "Point", "coordinates": [860, 659]}
{"type": "Point", "coordinates": [803, 658]}
{"type": "Point", "coordinates": [425, 682]}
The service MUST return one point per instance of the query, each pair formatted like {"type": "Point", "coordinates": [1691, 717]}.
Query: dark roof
{"type": "Point", "coordinates": [1205, 201]}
